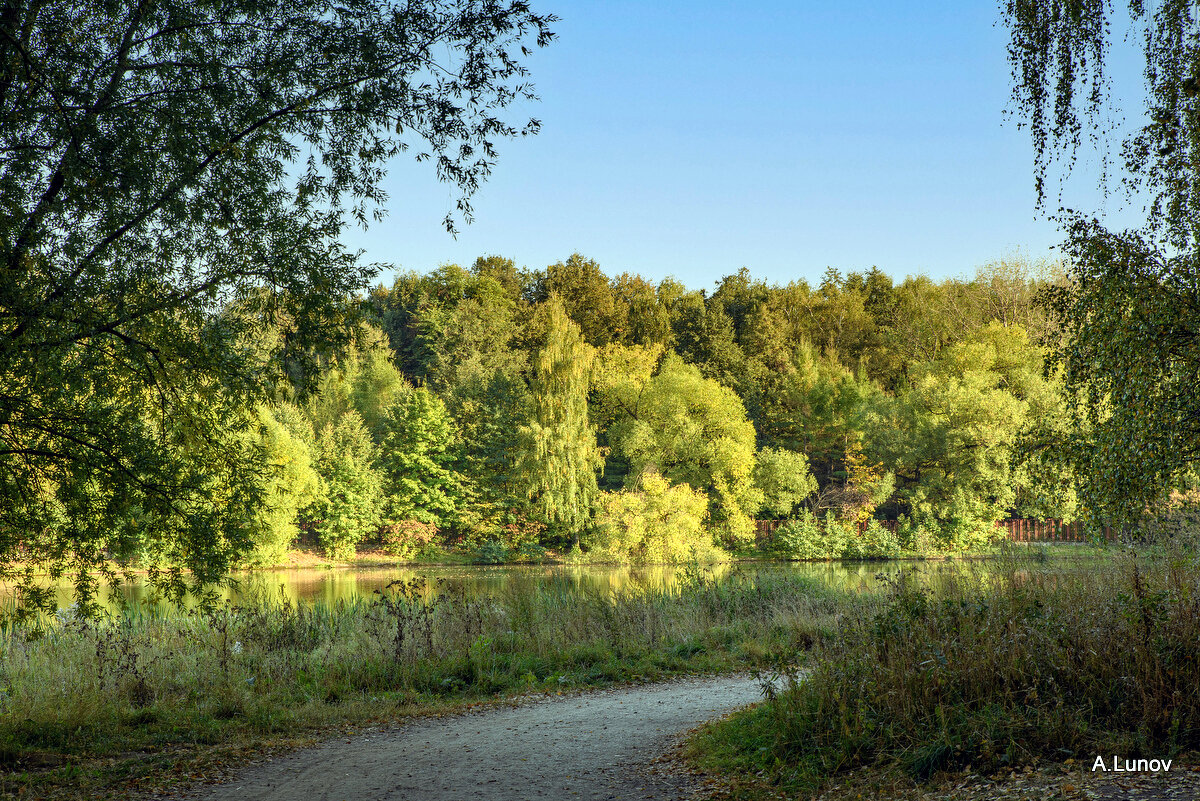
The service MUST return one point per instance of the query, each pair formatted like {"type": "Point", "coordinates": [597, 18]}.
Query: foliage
{"type": "Point", "coordinates": [951, 436]}
{"type": "Point", "coordinates": [413, 459]}
{"type": "Point", "coordinates": [291, 485]}
{"type": "Point", "coordinates": [406, 538]}
{"type": "Point", "coordinates": [1129, 315]}
{"type": "Point", "coordinates": [1130, 367]}
{"type": "Point", "coordinates": [654, 522]}
{"type": "Point", "coordinates": [809, 537]}
{"type": "Point", "coordinates": [558, 456]}
{"type": "Point", "coordinates": [694, 431]}
{"type": "Point", "coordinates": [160, 162]}
{"type": "Point", "coordinates": [784, 479]}
{"type": "Point", "coordinates": [348, 506]}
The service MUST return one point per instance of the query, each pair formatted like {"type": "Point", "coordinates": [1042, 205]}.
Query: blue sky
{"type": "Point", "coordinates": [694, 138]}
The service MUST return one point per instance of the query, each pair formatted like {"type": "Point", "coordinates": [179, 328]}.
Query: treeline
{"type": "Point", "coordinates": [512, 408]}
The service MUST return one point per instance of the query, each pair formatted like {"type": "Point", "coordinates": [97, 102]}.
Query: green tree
{"type": "Point", "coordinates": [1129, 350]}
{"type": "Point", "coordinates": [588, 297]}
{"type": "Point", "coordinates": [361, 379]}
{"type": "Point", "coordinates": [558, 455]}
{"type": "Point", "coordinates": [419, 484]}
{"type": "Point", "coordinates": [349, 503]}
{"type": "Point", "coordinates": [784, 479]}
{"type": "Point", "coordinates": [694, 431]}
{"type": "Point", "coordinates": [158, 160]}
{"type": "Point", "coordinates": [951, 437]}
{"type": "Point", "coordinates": [291, 484]}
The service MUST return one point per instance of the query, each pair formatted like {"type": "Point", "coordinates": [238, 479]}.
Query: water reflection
{"type": "Point", "coordinates": [331, 586]}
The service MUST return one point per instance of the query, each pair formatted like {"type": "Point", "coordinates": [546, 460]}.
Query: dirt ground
{"type": "Point", "coordinates": [595, 745]}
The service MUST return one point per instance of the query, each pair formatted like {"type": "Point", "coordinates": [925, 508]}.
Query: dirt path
{"type": "Point", "coordinates": [596, 745]}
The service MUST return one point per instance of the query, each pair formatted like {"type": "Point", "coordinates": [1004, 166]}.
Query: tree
{"type": "Point", "coordinates": [588, 297]}
{"type": "Point", "coordinates": [160, 159]}
{"type": "Point", "coordinates": [558, 454]}
{"type": "Point", "coordinates": [951, 435]}
{"type": "Point", "coordinates": [653, 522]}
{"type": "Point", "coordinates": [291, 484]}
{"type": "Point", "coordinates": [785, 480]}
{"type": "Point", "coordinates": [419, 485]}
{"type": "Point", "coordinates": [1129, 315]}
{"type": "Point", "coordinates": [694, 431]}
{"type": "Point", "coordinates": [350, 499]}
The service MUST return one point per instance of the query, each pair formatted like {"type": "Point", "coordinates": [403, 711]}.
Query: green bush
{"type": "Point", "coordinates": [656, 523]}
{"type": "Point", "coordinates": [925, 534]}
{"type": "Point", "coordinates": [807, 537]}
{"type": "Point", "coordinates": [490, 552]}
{"type": "Point", "coordinates": [876, 542]}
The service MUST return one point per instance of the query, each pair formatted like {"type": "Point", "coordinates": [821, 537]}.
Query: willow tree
{"type": "Point", "coordinates": [558, 457]}
{"type": "Point", "coordinates": [1130, 313]}
{"type": "Point", "coordinates": [162, 159]}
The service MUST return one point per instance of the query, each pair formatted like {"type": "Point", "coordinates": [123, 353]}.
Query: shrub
{"type": "Point", "coordinates": [876, 542]}
{"type": "Point", "coordinates": [407, 538]}
{"type": "Point", "coordinates": [807, 537]}
{"type": "Point", "coordinates": [490, 552]}
{"type": "Point", "coordinates": [521, 531]}
{"type": "Point", "coordinates": [657, 523]}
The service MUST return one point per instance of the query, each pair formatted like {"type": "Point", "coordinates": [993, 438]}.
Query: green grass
{"type": "Point", "coordinates": [90, 709]}
{"type": "Point", "coordinates": [997, 665]}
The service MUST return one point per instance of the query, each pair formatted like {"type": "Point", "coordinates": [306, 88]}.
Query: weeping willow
{"type": "Point", "coordinates": [559, 457]}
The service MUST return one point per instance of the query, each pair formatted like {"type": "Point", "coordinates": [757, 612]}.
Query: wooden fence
{"type": "Point", "coordinates": [1025, 530]}
{"type": "Point", "coordinates": [1020, 530]}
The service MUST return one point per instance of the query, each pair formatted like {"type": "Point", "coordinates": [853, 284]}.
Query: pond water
{"type": "Point", "coordinates": [333, 585]}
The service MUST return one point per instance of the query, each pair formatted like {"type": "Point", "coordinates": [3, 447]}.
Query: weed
{"type": "Point", "coordinates": [992, 666]}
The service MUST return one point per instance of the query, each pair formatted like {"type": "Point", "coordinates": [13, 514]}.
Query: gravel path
{"type": "Point", "coordinates": [596, 745]}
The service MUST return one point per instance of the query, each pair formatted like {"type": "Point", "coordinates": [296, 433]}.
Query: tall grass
{"type": "Point", "coordinates": [77, 688]}
{"type": "Point", "coordinates": [998, 665]}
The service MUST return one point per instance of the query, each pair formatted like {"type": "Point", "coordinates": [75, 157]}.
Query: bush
{"type": "Point", "coordinates": [407, 538]}
{"type": "Point", "coordinates": [924, 534]}
{"type": "Point", "coordinates": [522, 531]}
{"type": "Point", "coordinates": [658, 523]}
{"type": "Point", "coordinates": [807, 537]}
{"type": "Point", "coordinates": [490, 552]}
{"type": "Point", "coordinates": [876, 542]}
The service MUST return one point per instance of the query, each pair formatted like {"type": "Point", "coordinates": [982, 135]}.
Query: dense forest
{"type": "Point", "coordinates": [566, 408]}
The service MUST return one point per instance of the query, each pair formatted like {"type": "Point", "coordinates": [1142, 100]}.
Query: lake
{"type": "Point", "coordinates": [333, 585]}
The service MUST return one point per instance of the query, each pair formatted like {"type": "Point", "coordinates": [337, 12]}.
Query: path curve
{"type": "Point", "coordinates": [595, 745]}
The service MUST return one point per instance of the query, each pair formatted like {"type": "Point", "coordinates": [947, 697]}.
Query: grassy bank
{"type": "Point", "coordinates": [1006, 665]}
{"type": "Point", "coordinates": [90, 709]}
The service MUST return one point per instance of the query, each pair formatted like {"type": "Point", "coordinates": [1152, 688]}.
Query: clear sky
{"type": "Point", "coordinates": [692, 138]}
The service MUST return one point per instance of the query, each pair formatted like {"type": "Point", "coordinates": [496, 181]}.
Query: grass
{"type": "Point", "coordinates": [94, 709]}
{"type": "Point", "coordinates": [1001, 665]}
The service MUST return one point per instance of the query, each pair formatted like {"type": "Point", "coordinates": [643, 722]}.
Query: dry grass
{"type": "Point", "coordinates": [999, 666]}
{"type": "Point", "coordinates": [89, 707]}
